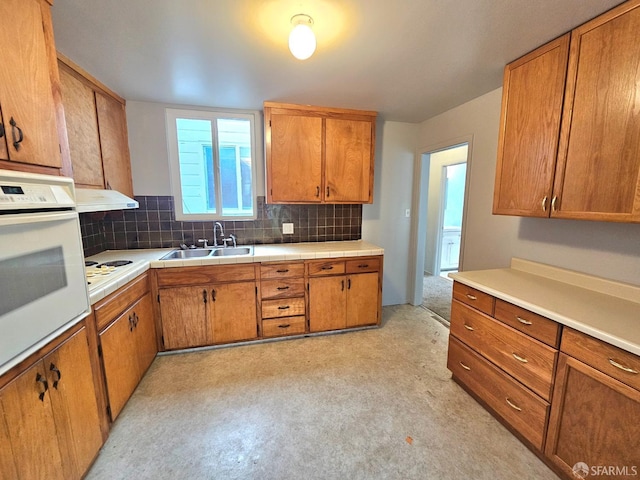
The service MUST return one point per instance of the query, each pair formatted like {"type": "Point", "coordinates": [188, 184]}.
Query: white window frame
{"type": "Point", "coordinates": [171, 115]}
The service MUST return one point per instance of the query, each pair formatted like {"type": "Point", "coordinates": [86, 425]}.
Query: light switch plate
{"type": "Point", "coordinates": [287, 228]}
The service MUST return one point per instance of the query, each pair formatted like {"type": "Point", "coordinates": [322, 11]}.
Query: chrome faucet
{"type": "Point", "coordinates": [215, 236]}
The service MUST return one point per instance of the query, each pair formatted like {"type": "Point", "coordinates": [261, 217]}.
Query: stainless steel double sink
{"type": "Point", "coordinates": [207, 252]}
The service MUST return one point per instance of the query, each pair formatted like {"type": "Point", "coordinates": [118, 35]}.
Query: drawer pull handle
{"type": "Point", "coordinates": [471, 329]}
{"type": "Point", "coordinates": [523, 321]}
{"type": "Point", "coordinates": [282, 288]}
{"type": "Point", "coordinates": [513, 405]}
{"type": "Point", "coordinates": [465, 367]}
{"type": "Point", "coordinates": [55, 370]}
{"type": "Point", "coordinates": [544, 204]}
{"type": "Point", "coordinates": [283, 307]}
{"type": "Point", "coordinates": [45, 386]}
{"type": "Point", "coordinates": [363, 265]}
{"type": "Point", "coordinates": [622, 367]}
{"type": "Point", "coordinates": [284, 270]}
{"type": "Point", "coordinates": [285, 325]}
{"type": "Point", "coordinates": [327, 267]}
{"type": "Point", "coordinates": [519, 358]}
{"type": "Point", "coordinates": [471, 297]}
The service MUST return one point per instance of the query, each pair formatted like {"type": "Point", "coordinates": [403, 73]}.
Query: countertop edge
{"type": "Point", "coordinates": [596, 332]}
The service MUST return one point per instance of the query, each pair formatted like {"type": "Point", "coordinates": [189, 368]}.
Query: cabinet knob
{"type": "Point", "coordinates": [282, 288]}
{"type": "Point", "coordinates": [544, 204]}
{"type": "Point", "coordinates": [285, 325]}
{"type": "Point", "coordinates": [523, 321]}
{"type": "Point", "coordinates": [204, 295]}
{"type": "Point", "coordinates": [554, 200]}
{"type": "Point", "coordinates": [471, 297]}
{"type": "Point", "coordinates": [513, 405]}
{"type": "Point", "coordinates": [213, 294]}
{"type": "Point", "coordinates": [328, 191]}
{"type": "Point", "coordinates": [469, 327]}
{"type": "Point", "coordinates": [465, 366]}
{"type": "Point", "coordinates": [519, 358]}
{"type": "Point", "coordinates": [282, 270]}
{"type": "Point", "coordinates": [317, 190]}
{"type": "Point", "coordinates": [622, 367]}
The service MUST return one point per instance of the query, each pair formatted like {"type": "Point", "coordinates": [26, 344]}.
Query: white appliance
{"type": "Point", "coordinates": [43, 289]}
{"type": "Point", "coordinates": [94, 200]}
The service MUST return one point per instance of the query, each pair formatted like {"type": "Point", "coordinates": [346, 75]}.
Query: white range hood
{"type": "Point", "coordinates": [93, 200]}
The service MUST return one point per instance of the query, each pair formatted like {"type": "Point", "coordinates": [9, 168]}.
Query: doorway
{"type": "Point", "coordinates": [440, 192]}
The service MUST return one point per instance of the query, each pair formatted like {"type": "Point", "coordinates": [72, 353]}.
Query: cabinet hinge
{"type": "Point", "coordinates": [109, 411]}
{"type": "Point", "coordinates": [158, 298]}
{"type": "Point", "coordinates": [269, 122]}
{"type": "Point", "coordinates": [256, 289]}
{"type": "Point", "coordinates": [307, 286]}
{"type": "Point", "coordinates": [162, 340]}
{"type": "Point", "coordinates": [99, 350]}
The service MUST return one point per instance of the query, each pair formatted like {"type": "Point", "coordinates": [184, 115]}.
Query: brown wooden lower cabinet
{"type": "Point", "coordinates": [128, 347]}
{"type": "Point", "coordinates": [49, 427]}
{"type": "Point", "coordinates": [595, 420]}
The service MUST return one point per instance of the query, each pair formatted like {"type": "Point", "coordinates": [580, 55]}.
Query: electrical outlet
{"type": "Point", "coordinates": [287, 228]}
{"type": "Point", "coordinates": [407, 213]}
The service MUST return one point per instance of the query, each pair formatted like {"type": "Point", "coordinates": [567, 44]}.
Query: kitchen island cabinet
{"type": "Point", "coordinates": [50, 421]}
{"type": "Point", "coordinates": [568, 144]}
{"type": "Point", "coordinates": [31, 138]}
{"type": "Point", "coordinates": [319, 154]}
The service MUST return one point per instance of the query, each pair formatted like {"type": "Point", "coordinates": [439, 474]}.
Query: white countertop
{"type": "Point", "coordinates": [143, 259]}
{"type": "Point", "coordinates": [604, 309]}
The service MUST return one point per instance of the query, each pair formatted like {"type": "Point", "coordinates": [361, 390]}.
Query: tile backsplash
{"type": "Point", "coordinates": [153, 225]}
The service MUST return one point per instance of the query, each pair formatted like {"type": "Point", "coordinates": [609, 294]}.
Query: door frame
{"type": "Point", "coordinates": [417, 242]}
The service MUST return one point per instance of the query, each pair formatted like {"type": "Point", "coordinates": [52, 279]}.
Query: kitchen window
{"type": "Point", "coordinates": [212, 163]}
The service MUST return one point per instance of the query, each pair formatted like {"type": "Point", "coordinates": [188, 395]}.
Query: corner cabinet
{"type": "Point", "coordinates": [30, 137]}
{"type": "Point", "coordinates": [591, 116]}
{"type": "Point", "coordinates": [97, 130]}
{"type": "Point", "coordinates": [319, 154]}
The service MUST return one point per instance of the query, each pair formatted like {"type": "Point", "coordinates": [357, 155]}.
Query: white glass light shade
{"type": "Point", "coordinates": [302, 41]}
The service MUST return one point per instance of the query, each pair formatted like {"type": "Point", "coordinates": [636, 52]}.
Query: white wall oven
{"type": "Point", "coordinates": [43, 289]}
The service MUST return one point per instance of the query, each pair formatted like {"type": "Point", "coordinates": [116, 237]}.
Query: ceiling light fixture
{"type": "Point", "coordinates": [302, 41]}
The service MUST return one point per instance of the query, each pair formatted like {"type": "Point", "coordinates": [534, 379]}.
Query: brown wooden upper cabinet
{"type": "Point", "coordinates": [319, 154]}
{"type": "Point", "coordinates": [569, 144]}
{"type": "Point", "coordinates": [28, 125]}
{"type": "Point", "coordinates": [97, 130]}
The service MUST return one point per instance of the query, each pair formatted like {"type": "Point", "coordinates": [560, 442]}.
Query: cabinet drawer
{"type": "Point", "coordinates": [613, 361]}
{"type": "Point", "coordinates": [473, 297]}
{"type": "Point", "coordinates": [524, 358]}
{"type": "Point", "coordinates": [282, 270]}
{"type": "Point", "coordinates": [522, 409]}
{"type": "Point", "coordinates": [537, 326]}
{"type": "Point", "coordinates": [285, 288]}
{"type": "Point", "coordinates": [283, 326]}
{"type": "Point", "coordinates": [328, 267]}
{"type": "Point", "coordinates": [204, 275]}
{"type": "Point", "coordinates": [286, 307]}
{"type": "Point", "coordinates": [364, 265]}
{"type": "Point", "coordinates": [109, 308]}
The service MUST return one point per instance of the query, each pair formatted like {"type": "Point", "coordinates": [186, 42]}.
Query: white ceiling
{"type": "Point", "coordinates": [407, 59]}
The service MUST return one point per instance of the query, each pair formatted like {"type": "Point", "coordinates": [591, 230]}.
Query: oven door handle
{"type": "Point", "coordinates": [24, 218]}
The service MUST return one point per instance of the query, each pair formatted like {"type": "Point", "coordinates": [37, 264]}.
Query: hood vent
{"type": "Point", "coordinates": [91, 200]}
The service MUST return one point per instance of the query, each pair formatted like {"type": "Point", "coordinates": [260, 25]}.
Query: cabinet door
{"type": "Point", "coordinates": [233, 312]}
{"type": "Point", "coordinates": [25, 85]}
{"type": "Point", "coordinates": [184, 317]}
{"type": "Point", "coordinates": [529, 127]}
{"type": "Point", "coordinates": [294, 158]}
{"type": "Point", "coordinates": [112, 125]}
{"type": "Point", "coordinates": [598, 175]}
{"type": "Point", "coordinates": [145, 333]}
{"type": "Point", "coordinates": [119, 356]}
{"type": "Point", "coordinates": [348, 161]}
{"type": "Point", "coordinates": [82, 130]}
{"type": "Point", "coordinates": [75, 406]}
{"type": "Point", "coordinates": [362, 299]}
{"type": "Point", "coordinates": [327, 303]}
{"type": "Point", "coordinates": [593, 419]}
{"type": "Point", "coordinates": [26, 402]}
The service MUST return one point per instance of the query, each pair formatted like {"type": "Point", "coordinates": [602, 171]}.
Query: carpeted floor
{"type": "Point", "coordinates": [436, 295]}
{"type": "Point", "coordinates": [372, 404]}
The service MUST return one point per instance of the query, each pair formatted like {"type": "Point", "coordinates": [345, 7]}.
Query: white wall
{"type": "Point", "coordinates": [598, 248]}
{"type": "Point", "coordinates": [384, 222]}
{"type": "Point", "coordinates": [148, 147]}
